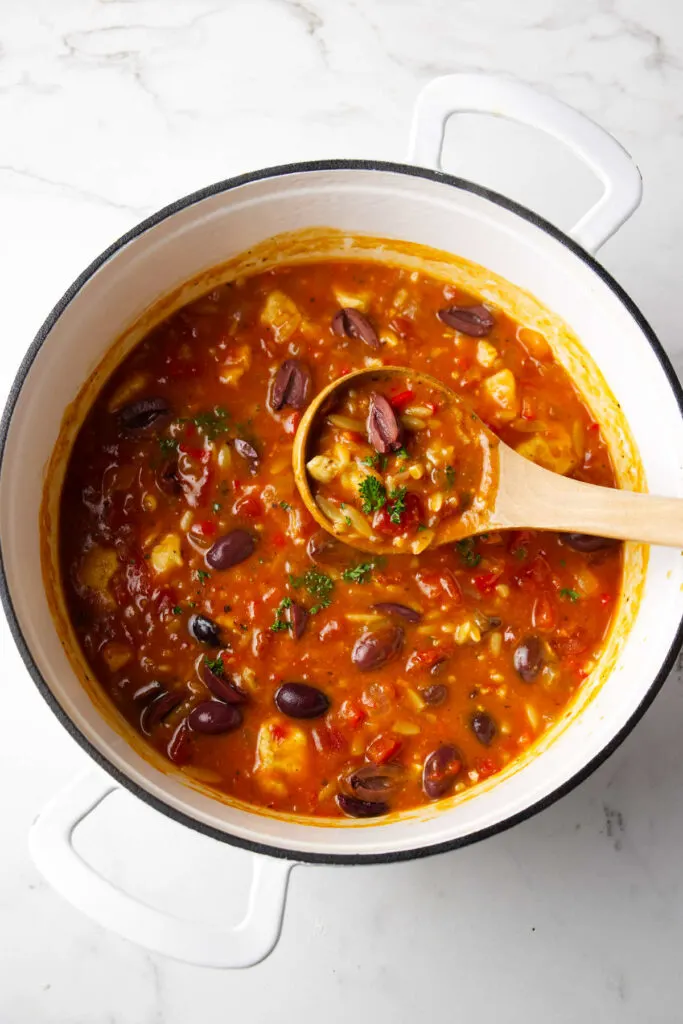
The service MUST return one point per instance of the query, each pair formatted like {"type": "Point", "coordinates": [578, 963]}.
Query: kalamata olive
{"type": "Point", "coordinates": [528, 658]}
{"type": "Point", "coordinates": [402, 610]}
{"type": "Point", "coordinates": [299, 700]}
{"type": "Point", "coordinates": [441, 769]}
{"type": "Point", "coordinates": [356, 808]}
{"type": "Point", "coordinates": [477, 321]}
{"type": "Point", "coordinates": [323, 549]}
{"type": "Point", "coordinates": [292, 385]}
{"type": "Point", "coordinates": [384, 430]}
{"type": "Point", "coordinates": [204, 630]}
{"type": "Point", "coordinates": [483, 727]}
{"type": "Point", "coordinates": [297, 616]}
{"type": "Point", "coordinates": [139, 417]}
{"type": "Point", "coordinates": [374, 782]}
{"type": "Point", "coordinates": [158, 709]}
{"type": "Point", "coordinates": [373, 650]}
{"type": "Point", "coordinates": [212, 716]}
{"type": "Point", "coordinates": [221, 686]}
{"type": "Point", "coordinates": [435, 694]}
{"type": "Point", "coordinates": [350, 323]}
{"type": "Point", "coordinates": [231, 549]}
{"type": "Point", "coordinates": [248, 452]}
{"type": "Point", "coordinates": [587, 543]}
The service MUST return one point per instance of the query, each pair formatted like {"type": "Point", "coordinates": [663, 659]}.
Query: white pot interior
{"type": "Point", "coordinates": [386, 204]}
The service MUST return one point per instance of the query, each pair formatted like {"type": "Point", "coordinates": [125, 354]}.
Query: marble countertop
{"type": "Point", "coordinates": [112, 108]}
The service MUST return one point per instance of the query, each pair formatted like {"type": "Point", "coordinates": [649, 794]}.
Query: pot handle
{"type": "Point", "coordinates": [484, 94]}
{"type": "Point", "coordinates": [52, 850]}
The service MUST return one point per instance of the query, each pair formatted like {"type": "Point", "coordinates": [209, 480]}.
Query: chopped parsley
{"type": "Point", "coordinates": [371, 460]}
{"type": "Point", "coordinates": [359, 573]}
{"type": "Point", "coordinates": [215, 665]}
{"type": "Point", "coordinates": [450, 476]}
{"type": "Point", "coordinates": [168, 444]}
{"type": "Point", "coordinates": [285, 506]}
{"type": "Point", "coordinates": [373, 493]}
{"type": "Point", "coordinates": [520, 553]}
{"type": "Point", "coordinates": [569, 595]}
{"type": "Point", "coordinates": [318, 584]}
{"type": "Point", "coordinates": [466, 550]}
{"type": "Point", "coordinates": [280, 622]}
{"type": "Point", "coordinates": [402, 454]}
{"type": "Point", "coordinates": [398, 504]}
{"type": "Point", "coordinates": [211, 423]}
{"type": "Point", "coordinates": [177, 610]}
{"type": "Point", "coordinates": [202, 575]}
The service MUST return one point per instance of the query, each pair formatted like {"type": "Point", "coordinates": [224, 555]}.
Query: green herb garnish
{"type": "Point", "coordinates": [168, 444]}
{"type": "Point", "coordinates": [359, 573]}
{"type": "Point", "coordinates": [374, 494]}
{"type": "Point", "coordinates": [466, 550]}
{"type": "Point", "coordinates": [285, 506]}
{"type": "Point", "coordinates": [520, 553]}
{"type": "Point", "coordinates": [211, 423]}
{"type": "Point", "coordinates": [401, 454]}
{"type": "Point", "coordinates": [450, 476]}
{"type": "Point", "coordinates": [371, 460]}
{"type": "Point", "coordinates": [569, 595]}
{"type": "Point", "coordinates": [398, 504]}
{"type": "Point", "coordinates": [281, 623]}
{"type": "Point", "coordinates": [215, 665]}
{"type": "Point", "coordinates": [318, 584]}
{"type": "Point", "coordinates": [202, 575]}
{"type": "Point", "coordinates": [177, 610]}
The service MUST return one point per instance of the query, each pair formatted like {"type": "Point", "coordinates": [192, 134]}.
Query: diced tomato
{"type": "Point", "coordinates": [410, 518]}
{"type": "Point", "coordinates": [402, 399]}
{"type": "Point", "coordinates": [332, 739]}
{"type": "Point", "coordinates": [179, 745]}
{"type": "Point", "coordinates": [291, 423]}
{"type": "Point", "coordinates": [434, 583]}
{"type": "Point", "coordinates": [353, 436]}
{"type": "Point", "coordinates": [594, 426]}
{"type": "Point", "coordinates": [486, 581]}
{"type": "Point", "coordinates": [249, 506]}
{"type": "Point", "coordinates": [543, 613]}
{"type": "Point", "coordinates": [383, 748]}
{"type": "Point", "coordinates": [205, 528]}
{"type": "Point", "coordinates": [279, 540]}
{"type": "Point", "coordinates": [485, 766]}
{"type": "Point", "coordinates": [568, 645]}
{"type": "Point", "coordinates": [200, 454]}
{"type": "Point", "coordinates": [351, 714]}
{"type": "Point", "coordinates": [190, 429]}
{"type": "Point", "coordinates": [278, 732]}
{"type": "Point", "coordinates": [425, 659]}
{"type": "Point", "coordinates": [403, 326]}
{"type": "Point", "coordinates": [605, 599]}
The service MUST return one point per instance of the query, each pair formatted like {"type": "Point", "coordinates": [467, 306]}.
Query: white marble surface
{"type": "Point", "coordinates": [111, 108]}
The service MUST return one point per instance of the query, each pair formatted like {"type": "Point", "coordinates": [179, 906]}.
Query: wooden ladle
{"type": "Point", "coordinates": [516, 493]}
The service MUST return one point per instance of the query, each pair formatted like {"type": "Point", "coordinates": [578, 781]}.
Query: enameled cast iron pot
{"type": "Point", "coordinates": [205, 229]}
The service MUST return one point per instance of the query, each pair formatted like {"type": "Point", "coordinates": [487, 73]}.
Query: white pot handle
{"type": "Point", "coordinates": [52, 850]}
{"type": "Point", "coordinates": [483, 94]}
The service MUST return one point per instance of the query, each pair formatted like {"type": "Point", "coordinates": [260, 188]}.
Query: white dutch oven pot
{"type": "Point", "coordinates": [206, 229]}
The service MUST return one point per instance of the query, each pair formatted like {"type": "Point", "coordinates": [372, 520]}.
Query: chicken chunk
{"type": "Point", "coordinates": [281, 314]}
{"type": "Point", "coordinates": [97, 569]}
{"type": "Point", "coordinates": [166, 555]}
{"type": "Point", "coordinates": [281, 753]}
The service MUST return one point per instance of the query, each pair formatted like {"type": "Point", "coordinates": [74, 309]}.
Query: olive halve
{"type": "Point", "coordinates": [213, 717]}
{"type": "Point", "coordinates": [351, 323]}
{"type": "Point", "coordinates": [402, 610]}
{"type": "Point", "coordinates": [158, 709]}
{"type": "Point", "coordinates": [299, 700]}
{"type": "Point", "coordinates": [230, 549]}
{"type": "Point", "coordinates": [441, 769]}
{"type": "Point", "coordinates": [357, 808]}
{"type": "Point", "coordinates": [220, 685]}
{"type": "Point", "coordinates": [374, 782]}
{"type": "Point", "coordinates": [373, 650]}
{"type": "Point", "coordinates": [528, 658]}
{"type": "Point", "coordinates": [483, 727]}
{"type": "Point", "coordinates": [435, 694]}
{"type": "Point", "coordinates": [205, 630]}
{"type": "Point", "coordinates": [140, 416]}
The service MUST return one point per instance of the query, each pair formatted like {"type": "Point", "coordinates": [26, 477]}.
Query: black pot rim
{"type": "Point", "coordinates": [5, 596]}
